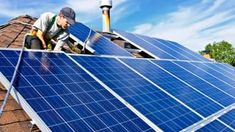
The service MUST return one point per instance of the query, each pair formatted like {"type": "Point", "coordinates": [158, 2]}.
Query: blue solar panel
{"type": "Point", "coordinates": [219, 74]}
{"type": "Point", "coordinates": [215, 126]}
{"type": "Point", "coordinates": [229, 118]}
{"type": "Point", "coordinates": [153, 103]}
{"type": "Point", "coordinates": [207, 74]}
{"type": "Point", "coordinates": [226, 66]}
{"type": "Point", "coordinates": [159, 48]}
{"type": "Point", "coordinates": [229, 66]}
{"type": "Point", "coordinates": [184, 92]}
{"type": "Point", "coordinates": [97, 42]}
{"type": "Point", "coordinates": [211, 91]}
{"type": "Point", "coordinates": [156, 52]}
{"type": "Point", "coordinates": [65, 97]}
{"type": "Point", "coordinates": [162, 44]}
{"type": "Point", "coordinates": [187, 52]}
{"type": "Point", "coordinates": [222, 67]}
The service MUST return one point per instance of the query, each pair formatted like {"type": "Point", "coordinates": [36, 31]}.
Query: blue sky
{"type": "Point", "coordinates": [193, 23]}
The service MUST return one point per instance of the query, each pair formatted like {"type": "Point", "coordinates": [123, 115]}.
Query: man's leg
{"type": "Point", "coordinates": [36, 43]}
{"type": "Point", "coordinates": [33, 42]}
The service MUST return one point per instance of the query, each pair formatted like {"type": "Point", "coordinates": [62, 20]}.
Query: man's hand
{"type": "Point", "coordinates": [44, 46]}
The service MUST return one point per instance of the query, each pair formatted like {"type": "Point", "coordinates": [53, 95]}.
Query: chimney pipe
{"type": "Point", "coordinates": [106, 5]}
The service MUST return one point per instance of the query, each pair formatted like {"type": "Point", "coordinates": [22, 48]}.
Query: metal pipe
{"type": "Point", "coordinates": [13, 78]}
{"type": "Point", "coordinates": [106, 5]}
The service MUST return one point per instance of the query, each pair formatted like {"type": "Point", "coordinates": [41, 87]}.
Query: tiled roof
{"type": "Point", "coordinates": [13, 117]}
{"type": "Point", "coordinates": [13, 32]}
{"type": "Point", "coordinates": [11, 35]}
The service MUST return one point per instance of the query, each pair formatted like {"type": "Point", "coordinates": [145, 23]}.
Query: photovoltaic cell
{"type": "Point", "coordinates": [209, 76]}
{"type": "Point", "coordinates": [223, 76]}
{"type": "Point", "coordinates": [65, 97]}
{"type": "Point", "coordinates": [229, 118]}
{"type": "Point", "coordinates": [159, 48]}
{"type": "Point", "coordinates": [97, 42]}
{"type": "Point", "coordinates": [157, 106]}
{"type": "Point", "coordinates": [186, 51]}
{"type": "Point", "coordinates": [165, 46]}
{"type": "Point", "coordinates": [215, 126]}
{"type": "Point", "coordinates": [222, 67]}
{"type": "Point", "coordinates": [229, 66]}
{"type": "Point", "coordinates": [191, 97]}
{"type": "Point", "coordinates": [187, 73]}
{"type": "Point", "coordinates": [156, 52]}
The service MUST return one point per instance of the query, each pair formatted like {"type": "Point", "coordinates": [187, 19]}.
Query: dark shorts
{"type": "Point", "coordinates": [33, 42]}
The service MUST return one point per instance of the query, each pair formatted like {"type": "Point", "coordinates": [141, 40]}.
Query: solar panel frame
{"type": "Point", "coordinates": [20, 100]}
{"type": "Point", "coordinates": [229, 118]}
{"type": "Point", "coordinates": [215, 126]}
{"type": "Point", "coordinates": [210, 119]}
{"type": "Point", "coordinates": [43, 125]}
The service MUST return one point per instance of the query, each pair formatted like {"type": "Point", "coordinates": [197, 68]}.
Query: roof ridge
{"type": "Point", "coordinates": [23, 16]}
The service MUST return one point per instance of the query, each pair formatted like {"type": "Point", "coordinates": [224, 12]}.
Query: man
{"type": "Point", "coordinates": [49, 29]}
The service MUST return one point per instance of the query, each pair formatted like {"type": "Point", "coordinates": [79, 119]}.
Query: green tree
{"type": "Point", "coordinates": [221, 52]}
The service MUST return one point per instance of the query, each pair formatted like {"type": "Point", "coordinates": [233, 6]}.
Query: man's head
{"type": "Point", "coordinates": [66, 17]}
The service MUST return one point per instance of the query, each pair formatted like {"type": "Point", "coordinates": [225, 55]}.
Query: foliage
{"type": "Point", "coordinates": [221, 52]}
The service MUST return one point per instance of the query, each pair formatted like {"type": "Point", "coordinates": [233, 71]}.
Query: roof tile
{"type": "Point", "coordinates": [11, 105]}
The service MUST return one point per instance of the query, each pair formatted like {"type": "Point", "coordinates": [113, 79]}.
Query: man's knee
{"type": "Point", "coordinates": [33, 42]}
{"type": "Point", "coordinates": [36, 44]}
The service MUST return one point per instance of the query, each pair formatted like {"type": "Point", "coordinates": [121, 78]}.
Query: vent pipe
{"type": "Point", "coordinates": [106, 5]}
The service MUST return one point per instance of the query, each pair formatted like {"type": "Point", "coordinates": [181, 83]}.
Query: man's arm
{"type": "Point", "coordinates": [58, 45]}
{"type": "Point", "coordinates": [40, 35]}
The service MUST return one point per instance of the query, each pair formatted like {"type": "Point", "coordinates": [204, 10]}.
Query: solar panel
{"type": "Point", "coordinates": [217, 73]}
{"type": "Point", "coordinates": [167, 47]}
{"type": "Point", "coordinates": [208, 76]}
{"type": "Point", "coordinates": [159, 48]}
{"type": "Point", "coordinates": [164, 110]}
{"type": "Point", "coordinates": [198, 79]}
{"type": "Point", "coordinates": [186, 51]}
{"type": "Point", "coordinates": [156, 52]}
{"type": "Point", "coordinates": [61, 96]}
{"type": "Point", "coordinates": [229, 66]}
{"type": "Point", "coordinates": [97, 42]}
{"type": "Point", "coordinates": [221, 67]}
{"type": "Point", "coordinates": [188, 94]}
{"type": "Point", "coordinates": [215, 126]}
{"type": "Point", "coordinates": [229, 118]}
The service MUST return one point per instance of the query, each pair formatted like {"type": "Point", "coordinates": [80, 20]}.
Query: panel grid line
{"type": "Point", "coordinates": [189, 85]}
{"type": "Point", "coordinates": [42, 97]}
{"type": "Point", "coordinates": [161, 88]}
{"type": "Point", "coordinates": [119, 98]}
{"type": "Point", "coordinates": [204, 79]}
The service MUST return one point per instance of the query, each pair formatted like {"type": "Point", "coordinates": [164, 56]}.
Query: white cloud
{"type": "Point", "coordinates": [89, 10]}
{"type": "Point", "coordinates": [14, 8]}
{"type": "Point", "coordinates": [195, 26]}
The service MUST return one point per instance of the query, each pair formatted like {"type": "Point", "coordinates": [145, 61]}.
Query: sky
{"type": "Point", "coordinates": [192, 23]}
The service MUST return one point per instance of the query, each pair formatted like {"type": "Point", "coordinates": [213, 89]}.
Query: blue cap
{"type": "Point", "coordinates": [69, 14]}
